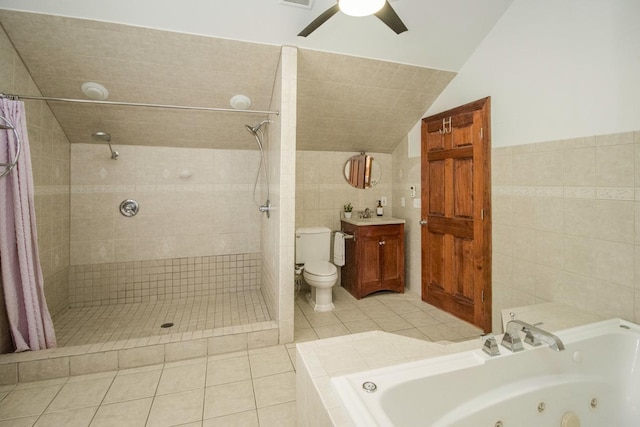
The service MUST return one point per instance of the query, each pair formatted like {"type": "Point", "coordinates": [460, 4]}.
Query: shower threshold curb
{"type": "Point", "coordinates": [133, 353]}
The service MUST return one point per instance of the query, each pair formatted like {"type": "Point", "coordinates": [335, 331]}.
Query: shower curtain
{"type": "Point", "coordinates": [22, 282]}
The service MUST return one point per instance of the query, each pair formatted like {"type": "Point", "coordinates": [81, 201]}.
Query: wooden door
{"type": "Point", "coordinates": [456, 215]}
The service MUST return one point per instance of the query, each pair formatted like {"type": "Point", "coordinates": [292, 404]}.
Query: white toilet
{"type": "Point", "coordinates": [313, 248]}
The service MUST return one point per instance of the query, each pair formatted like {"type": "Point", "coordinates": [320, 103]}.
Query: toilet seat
{"type": "Point", "coordinates": [320, 270]}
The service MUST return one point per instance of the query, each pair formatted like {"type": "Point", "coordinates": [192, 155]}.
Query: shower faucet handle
{"type": "Point", "coordinates": [129, 207]}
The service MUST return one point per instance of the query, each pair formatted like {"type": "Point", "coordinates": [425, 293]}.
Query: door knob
{"type": "Point", "coordinates": [382, 242]}
{"type": "Point", "coordinates": [423, 222]}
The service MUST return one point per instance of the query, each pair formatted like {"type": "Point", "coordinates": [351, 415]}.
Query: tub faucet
{"type": "Point", "coordinates": [534, 336]}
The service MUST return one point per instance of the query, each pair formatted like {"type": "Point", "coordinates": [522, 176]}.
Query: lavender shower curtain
{"type": "Point", "coordinates": [22, 281]}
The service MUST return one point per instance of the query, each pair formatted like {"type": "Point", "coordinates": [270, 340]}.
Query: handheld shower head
{"type": "Point", "coordinates": [106, 137]}
{"type": "Point", "coordinates": [253, 130]}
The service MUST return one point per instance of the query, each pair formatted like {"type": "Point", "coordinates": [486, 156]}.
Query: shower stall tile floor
{"type": "Point", "coordinates": [109, 323]}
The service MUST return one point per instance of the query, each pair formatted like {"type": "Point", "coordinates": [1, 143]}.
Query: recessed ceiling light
{"type": "Point", "coordinates": [240, 102]}
{"type": "Point", "coordinates": [95, 91]}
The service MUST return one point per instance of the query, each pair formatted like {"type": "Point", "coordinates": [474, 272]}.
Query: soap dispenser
{"type": "Point", "coordinates": [379, 209]}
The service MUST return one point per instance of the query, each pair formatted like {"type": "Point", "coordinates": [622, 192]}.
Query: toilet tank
{"type": "Point", "coordinates": [313, 243]}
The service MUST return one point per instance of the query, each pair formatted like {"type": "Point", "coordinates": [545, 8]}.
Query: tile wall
{"type": "Point", "coordinates": [141, 281]}
{"type": "Point", "coordinates": [566, 225]}
{"type": "Point", "coordinates": [322, 191]}
{"type": "Point", "coordinates": [196, 208]}
{"type": "Point", "coordinates": [277, 242]}
{"type": "Point", "coordinates": [50, 159]}
{"type": "Point", "coordinates": [145, 65]}
{"type": "Point", "coordinates": [347, 103]}
{"type": "Point", "coordinates": [193, 202]}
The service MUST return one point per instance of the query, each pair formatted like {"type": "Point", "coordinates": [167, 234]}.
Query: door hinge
{"type": "Point", "coordinates": [482, 214]}
{"type": "Point", "coordinates": [482, 296]}
{"type": "Point", "coordinates": [481, 133]}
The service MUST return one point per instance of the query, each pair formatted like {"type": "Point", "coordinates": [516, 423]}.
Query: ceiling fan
{"type": "Point", "coordinates": [381, 8]}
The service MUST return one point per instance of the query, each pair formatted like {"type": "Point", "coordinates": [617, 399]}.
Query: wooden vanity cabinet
{"type": "Point", "coordinates": [374, 259]}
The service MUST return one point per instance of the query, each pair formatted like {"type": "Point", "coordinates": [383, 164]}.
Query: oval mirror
{"type": "Point", "coordinates": [361, 171]}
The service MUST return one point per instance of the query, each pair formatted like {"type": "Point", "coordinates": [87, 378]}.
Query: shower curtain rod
{"type": "Point", "coordinates": [132, 104]}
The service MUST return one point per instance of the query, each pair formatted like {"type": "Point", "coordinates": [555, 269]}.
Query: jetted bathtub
{"type": "Point", "coordinates": [595, 382]}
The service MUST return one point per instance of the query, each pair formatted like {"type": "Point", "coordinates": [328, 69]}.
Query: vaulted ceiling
{"type": "Point", "coordinates": [345, 102]}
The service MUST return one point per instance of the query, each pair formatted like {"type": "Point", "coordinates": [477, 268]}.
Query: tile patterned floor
{"type": "Point", "coordinates": [105, 323]}
{"type": "Point", "coordinates": [249, 388]}
{"type": "Point", "coordinates": [403, 314]}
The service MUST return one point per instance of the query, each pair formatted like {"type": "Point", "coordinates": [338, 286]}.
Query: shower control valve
{"type": "Point", "coordinates": [129, 207]}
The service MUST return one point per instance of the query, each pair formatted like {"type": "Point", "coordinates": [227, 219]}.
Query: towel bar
{"type": "Point", "coordinates": [346, 236]}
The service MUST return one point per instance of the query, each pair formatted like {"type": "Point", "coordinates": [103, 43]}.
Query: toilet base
{"type": "Point", "coordinates": [320, 299]}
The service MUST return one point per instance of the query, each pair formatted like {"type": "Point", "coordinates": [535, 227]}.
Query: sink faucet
{"type": "Point", "coordinates": [366, 213]}
{"type": "Point", "coordinates": [534, 336]}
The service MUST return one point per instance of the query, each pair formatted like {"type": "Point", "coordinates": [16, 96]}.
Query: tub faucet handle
{"type": "Point", "coordinates": [511, 340]}
{"type": "Point", "coordinates": [490, 345]}
{"type": "Point", "coordinates": [531, 339]}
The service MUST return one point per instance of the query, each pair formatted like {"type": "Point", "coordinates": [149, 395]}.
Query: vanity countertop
{"type": "Point", "coordinates": [374, 220]}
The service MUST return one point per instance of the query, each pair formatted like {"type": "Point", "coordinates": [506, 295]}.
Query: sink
{"type": "Point", "coordinates": [374, 220]}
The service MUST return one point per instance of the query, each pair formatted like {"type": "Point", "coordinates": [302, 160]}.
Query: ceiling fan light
{"type": "Point", "coordinates": [360, 7]}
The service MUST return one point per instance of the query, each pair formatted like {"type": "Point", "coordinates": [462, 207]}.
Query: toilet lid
{"type": "Point", "coordinates": [320, 268]}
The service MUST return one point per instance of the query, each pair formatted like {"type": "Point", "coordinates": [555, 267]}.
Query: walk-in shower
{"type": "Point", "coordinates": [105, 137]}
{"type": "Point", "coordinates": [194, 258]}
{"type": "Point", "coordinates": [258, 132]}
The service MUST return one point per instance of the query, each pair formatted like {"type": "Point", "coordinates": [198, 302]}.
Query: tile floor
{"type": "Point", "coordinates": [248, 388]}
{"type": "Point", "coordinates": [117, 322]}
{"type": "Point", "coordinates": [403, 314]}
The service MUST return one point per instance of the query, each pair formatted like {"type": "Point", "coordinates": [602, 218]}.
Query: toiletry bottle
{"type": "Point", "coordinates": [379, 209]}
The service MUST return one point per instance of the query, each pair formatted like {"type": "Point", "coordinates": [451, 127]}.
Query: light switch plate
{"type": "Point", "coordinates": [417, 203]}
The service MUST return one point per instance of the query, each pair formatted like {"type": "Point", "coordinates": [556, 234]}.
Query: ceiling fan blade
{"type": "Point", "coordinates": [391, 18]}
{"type": "Point", "coordinates": [324, 17]}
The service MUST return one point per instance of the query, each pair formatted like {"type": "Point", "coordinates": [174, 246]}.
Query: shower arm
{"type": "Point", "coordinates": [114, 154]}
{"type": "Point", "coordinates": [106, 137]}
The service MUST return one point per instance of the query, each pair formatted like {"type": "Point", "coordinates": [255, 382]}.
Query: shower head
{"type": "Point", "coordinates": [102, 136]}
{"type": "Point", "coordinates": [253, 130]}
{"type": "Point", "coordinates": [106, 137]}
